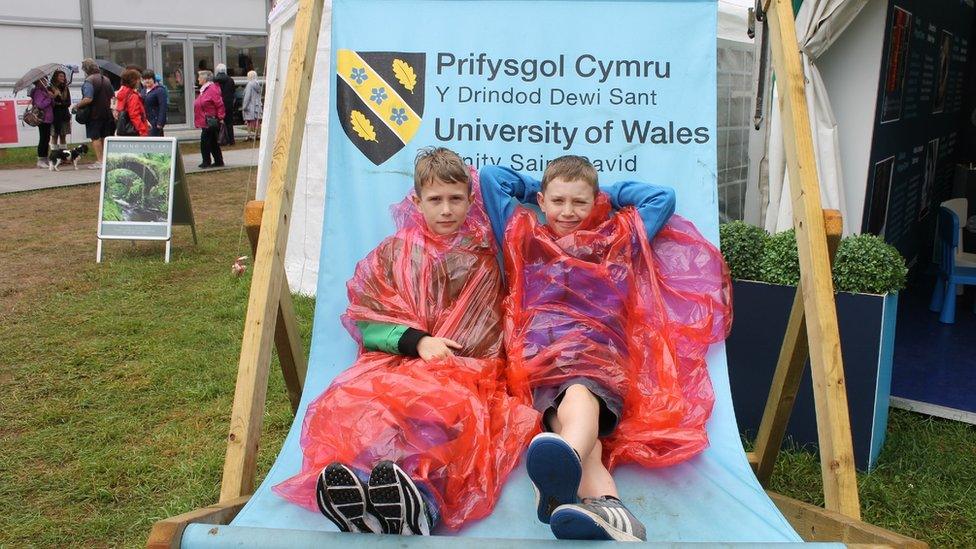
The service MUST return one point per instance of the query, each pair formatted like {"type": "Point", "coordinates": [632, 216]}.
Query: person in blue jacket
{"type": "Point", "coordinates": [577, 495]}
{"type": "Point", "coordinates": [504, 189]}
{"type": "Point", "coordinates": [155, 98]}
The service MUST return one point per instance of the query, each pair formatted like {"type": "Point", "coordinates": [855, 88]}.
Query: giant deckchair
{"type": "Point", "coordinates": [715, 497]}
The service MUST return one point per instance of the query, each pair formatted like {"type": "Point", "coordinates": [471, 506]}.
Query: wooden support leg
{"type": "Point", "coordinates": [168, 533]}
{"type": "Point", "coordinates": [820, 525]}
{"type": "Point", "coordinates": [247, 416]}
{"type": "Point", "coordinates": [287, 340]}
{"type": "Point", "coordinates": [816, 284]}
{"type": "Point", "coordinates": [789, 371]}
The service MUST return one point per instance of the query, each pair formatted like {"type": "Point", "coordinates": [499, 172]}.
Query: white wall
{"type": "Point", "coordinates": [24, 47]}
{"type": "Point", "coordinates": [851, 69]}
{"type": "Point", "coordinates": [227, 15]}
{"type": "Point", "coordinates": [47, 10]}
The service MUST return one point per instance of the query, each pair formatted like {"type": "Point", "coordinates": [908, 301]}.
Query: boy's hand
{"type": "Point", "coordinates": [431, 347]}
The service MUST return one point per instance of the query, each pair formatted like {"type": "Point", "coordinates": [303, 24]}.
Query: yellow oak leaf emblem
{"type": "Point", "coordinates": [405, 74]}
{"type": "Point", "coordinates": [362, 126]}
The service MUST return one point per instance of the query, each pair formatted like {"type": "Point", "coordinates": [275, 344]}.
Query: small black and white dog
{"type": "Point", "coordinates": [63, 156]}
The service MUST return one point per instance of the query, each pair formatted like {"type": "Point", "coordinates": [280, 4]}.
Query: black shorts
{"type": "Point", "coordinates": [100, 128]}
{"type": "Point", "coordinates": [546, 400]}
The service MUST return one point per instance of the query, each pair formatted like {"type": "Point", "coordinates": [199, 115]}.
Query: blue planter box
{"type": "Point", "coordinates": [867, 337]}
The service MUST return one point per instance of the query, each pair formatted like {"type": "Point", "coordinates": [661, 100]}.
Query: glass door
{"type": "Point", "coordinates": [172, 63]}
{"type": "Point", "coordinates": [204, 56]}
{"type": "Point", "coordinates": [179, 57]}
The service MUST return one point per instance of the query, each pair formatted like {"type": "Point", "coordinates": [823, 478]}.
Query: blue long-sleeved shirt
{"type": "Point", "coordinates": [503, 189]}
{"type": "Point", "coordinates": [155, 101]}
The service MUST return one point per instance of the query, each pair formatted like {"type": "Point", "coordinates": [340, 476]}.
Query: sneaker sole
{"type": "Point", "coordinates": [580, 524]}
{"type": "Point", "coordinates": [555, 471]}
{"type": "Point", "coordinates": [397, 499]}
{"type": "Point", "coordinates": [341, 497]}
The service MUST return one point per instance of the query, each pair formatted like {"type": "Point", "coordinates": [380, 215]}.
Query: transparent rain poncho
{"type": "Point", "coordinates": [449, 423]}
{"type": "Point", "coordinates": [603, 304]}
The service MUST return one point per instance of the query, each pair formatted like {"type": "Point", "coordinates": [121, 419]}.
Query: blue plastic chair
{"type": "Point", "coordinates": [949, 275]}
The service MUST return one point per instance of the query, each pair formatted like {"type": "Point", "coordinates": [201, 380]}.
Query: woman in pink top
{"type": "Point", "coordinates": [208, 111]}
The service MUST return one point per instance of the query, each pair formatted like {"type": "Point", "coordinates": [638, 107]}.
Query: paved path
{"type": "Point", "coordinates": [31, 179]}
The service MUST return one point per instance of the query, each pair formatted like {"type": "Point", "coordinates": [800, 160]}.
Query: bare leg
{"type": "Point", "coordinates": [97, 145]}
{"type": "Point", "coordinates": [597, 481]}
{"type": "Point", "coordinates": [577, 421]}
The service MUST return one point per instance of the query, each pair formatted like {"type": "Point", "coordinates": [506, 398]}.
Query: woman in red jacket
{"type": "Point", "coordinates": [128, 102]}
{"type": "Point", "coordinates": [208, 111]}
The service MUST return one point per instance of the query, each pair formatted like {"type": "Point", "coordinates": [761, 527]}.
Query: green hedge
{"type": "Point", "coordinates": [864, 263]}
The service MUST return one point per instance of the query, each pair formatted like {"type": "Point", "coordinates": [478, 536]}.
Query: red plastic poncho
{"type": "Point", "coordinates": [600, 303]}
{"type": "Point", "coordinates": [449, 423]}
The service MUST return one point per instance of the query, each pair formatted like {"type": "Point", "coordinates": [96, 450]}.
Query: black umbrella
{"type": "Point", "coordinates": [38, 73]}
{"type": "Point", "coordinates": [112, 70]}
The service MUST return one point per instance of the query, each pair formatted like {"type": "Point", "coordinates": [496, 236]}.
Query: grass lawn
{"type": "Point", "coordinates": [117, 381]}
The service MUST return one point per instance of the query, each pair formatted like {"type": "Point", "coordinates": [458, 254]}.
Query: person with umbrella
{"type": "Point", "coordinates": [42, 72]}
{"type": "Point", "coordinates": [43, 99]}
{"type": "Point", "coordinates": [61, 128]}
{"type": "Point", "coordinates": [97, 94]}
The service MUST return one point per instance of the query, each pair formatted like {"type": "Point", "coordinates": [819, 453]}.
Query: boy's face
{"type": "Point", "coordinates": [444, 205]}
{"type": "Point", "coordinates": [566, 204]}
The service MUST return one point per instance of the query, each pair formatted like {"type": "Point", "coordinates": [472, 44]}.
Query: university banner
{"type": "Point", "coordinates": [631, 85]}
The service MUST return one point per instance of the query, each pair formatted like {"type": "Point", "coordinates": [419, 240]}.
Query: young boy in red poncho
{"type": "Point", "coordinates": [605, 334]}
{"type": "Point", "coordinates": [420, 429]}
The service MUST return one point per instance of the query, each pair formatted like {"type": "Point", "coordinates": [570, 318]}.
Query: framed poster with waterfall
{"type": "Point", "coordinates": [143, 185]}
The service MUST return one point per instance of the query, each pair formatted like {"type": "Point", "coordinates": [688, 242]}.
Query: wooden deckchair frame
{"type": "Point", "coordinates": [812, 328]}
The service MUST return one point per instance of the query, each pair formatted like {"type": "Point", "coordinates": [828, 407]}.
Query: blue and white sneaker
{"type": "Point", "coordinates": [555, 470]}
{"type": "Point", "coordinates": [398, 501]}
{"type": "Point", "coordinates": [341, 497]}
{"type": "Point", "coordinates": [597, 519]}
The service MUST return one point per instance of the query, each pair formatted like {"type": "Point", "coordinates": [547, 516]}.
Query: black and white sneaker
{"type": "Point", "coordinates": [397, 499]}
{"type": "Point", "coordinates": [597, 518]}
{"type": "Point", "coordinates": [555, 471]}
{"type": "Point", "coordinates": [341, 497]}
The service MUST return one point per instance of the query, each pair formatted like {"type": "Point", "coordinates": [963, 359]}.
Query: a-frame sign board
{"type": "Point", "coordinates": [182, 207]}
{"type": "Point", "coordinates": [814, 317]}
{"type": "Point", "coordinates": [125, 213]}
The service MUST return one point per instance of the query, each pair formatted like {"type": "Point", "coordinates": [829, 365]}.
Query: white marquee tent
{"type": "Point", "coordinates": [302, 258]}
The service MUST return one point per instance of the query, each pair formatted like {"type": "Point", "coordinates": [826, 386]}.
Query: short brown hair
{"type": "Point", "coordinates": [131, 77]}
{"type": "Point", "coordinates": [571, 168]}
{"type": "Point", "coordinates": [439, 163]}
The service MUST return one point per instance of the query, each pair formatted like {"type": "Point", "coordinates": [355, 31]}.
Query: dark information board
{"type": "Point", "coordinates": [918, 120]}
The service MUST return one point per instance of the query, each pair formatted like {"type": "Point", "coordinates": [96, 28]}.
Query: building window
{"type": "Point", "coordinates": [246, 53]}
{"type": "Point", "coordinates": [121, 47]}
{"type": "Point", "coordinates": [735, 96]}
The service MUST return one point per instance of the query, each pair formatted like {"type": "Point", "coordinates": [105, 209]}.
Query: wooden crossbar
{"type": "Point", "coordinates": [287, 339]}
{"type": "Point", "coordinates": [789, 371]}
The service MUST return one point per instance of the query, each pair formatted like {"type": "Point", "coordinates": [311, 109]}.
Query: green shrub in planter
{"type": "Point", "coordinates": [865, 264]}
{"type": "Point", "coordinates": [780, 263]}
{"type": "Point", "coordinates": [742, 246]}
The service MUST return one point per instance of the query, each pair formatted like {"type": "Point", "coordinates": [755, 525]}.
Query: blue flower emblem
{"type": "Point", "coordinates": [378, 96]}
{"type": "Point", "coordinates": [359, 75]}
{"type": "Point", "coordinates": [399, 116]}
